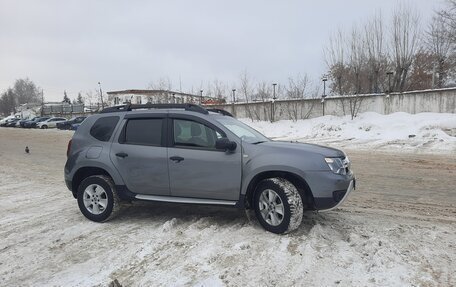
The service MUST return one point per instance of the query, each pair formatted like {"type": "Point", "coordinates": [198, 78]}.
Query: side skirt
{"type": "Point", "coordinates": [184, 200]}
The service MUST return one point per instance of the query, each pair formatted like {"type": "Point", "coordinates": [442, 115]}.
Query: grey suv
{"type": "Point", "coordinates": [184, 153]}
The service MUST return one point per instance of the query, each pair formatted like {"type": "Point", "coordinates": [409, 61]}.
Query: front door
{"type": "Point", "coordinates": [140, 155]}
{"type": "Point", "coordinates": [196, 168]}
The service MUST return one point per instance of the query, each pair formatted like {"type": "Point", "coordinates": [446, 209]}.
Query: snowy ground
{"type": "Point", "coordinates": [424, 132]}
{"type": "Point", "coordinates": [397, 229]}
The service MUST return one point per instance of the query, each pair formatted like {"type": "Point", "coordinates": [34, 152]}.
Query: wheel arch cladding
{"type": "Point", "coordinates": [296, 180]}
{"type": "Point", "coordinates": [83, 173]}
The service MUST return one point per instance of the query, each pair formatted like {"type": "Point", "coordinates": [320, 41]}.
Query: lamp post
{"type": "Point", "coordinates": [273, 101]}
{"type": "Point", "coordinates": [101, 95]}
{"type": "Point", "coordinates": [324, 79]}
{"type": "Point", "coordinates": [234, 95]}
{"type": "Point", "coordinates": [389, 82]}
{"type": "Point", "coordinates": [201, 97]}
{"type": "Point", "coordinates": [274, 87]}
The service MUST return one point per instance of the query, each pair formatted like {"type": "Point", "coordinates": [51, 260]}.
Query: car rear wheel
{"type": "Point", "coordinates": [278, 205]}
{"type": "Point", "coordinates": [44, 126]}
{"type": "Point", "coordinates": [97, 198]}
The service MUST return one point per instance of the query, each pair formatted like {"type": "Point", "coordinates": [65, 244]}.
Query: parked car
{"type": "Point", "coordinates": [75, 127]}
{"type": "Point", "coordinates": [50, 123]}
{"type": "Point", "coordinates": [5, 120]}
{"type": "Point", "coordinates": [10, 123]}
{"type": "Point", "coordinates": [67, 124]}
{"type": "Point", "coordinates": [183, 153]}
{"type": "Point", "coordinates": [32, 123]}
{"type": "Point", "coordinates": [22, 122]}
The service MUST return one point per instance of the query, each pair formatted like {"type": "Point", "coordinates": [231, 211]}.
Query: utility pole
{"type": "Point", "coordinates": [201, 97]}
{"type": "Point", "coordinates": [101, 95]}
{"type": "Point", "coordinates": [273, 102]}
{"type": "Point", "coordinates": [234, 95]}
{"type": "Point", "coordinates": [324, 79]}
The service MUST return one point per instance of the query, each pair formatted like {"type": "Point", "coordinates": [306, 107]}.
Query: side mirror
{"type": "Point", "coordinates": [225, 144]}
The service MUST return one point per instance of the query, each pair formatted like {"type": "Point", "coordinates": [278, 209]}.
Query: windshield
{"type": "Point", "coordinates": [242, 130]}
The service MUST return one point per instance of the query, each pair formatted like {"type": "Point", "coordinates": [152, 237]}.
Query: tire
{"type": "Point", "coordinates": [274, 196]}
{"type": "Point", "coordinates": [97, 198]}
{"type": "Point", "coordinates": [44, 127]}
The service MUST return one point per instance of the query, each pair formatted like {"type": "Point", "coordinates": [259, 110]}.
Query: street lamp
{"type": "Point", "coordinates": [324, 79]}
{"type": "Point", "coordinates": [272, 102]}
{"type": "Point", "coordinates": [234, 95]}
{"type": "Point", "coordinates": [101, 95]}
{"type": "Point", "coordinates": [389, 82]}
{"type": "Point", "coordinates": [274, 87]}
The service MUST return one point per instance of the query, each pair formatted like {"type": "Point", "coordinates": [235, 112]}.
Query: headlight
{"type": "Point", "coordinates": [338, 165]}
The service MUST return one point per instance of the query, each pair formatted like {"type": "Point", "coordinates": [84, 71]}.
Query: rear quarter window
{"type": "Point", "coordinates": [103, 128]}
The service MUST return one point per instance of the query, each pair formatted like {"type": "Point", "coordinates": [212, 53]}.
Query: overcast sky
{"type": "Point", "coordinates": [73, 45]}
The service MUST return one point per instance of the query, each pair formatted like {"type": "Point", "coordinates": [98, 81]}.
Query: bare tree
{"type": "Point", "coordinates": [335, 60]}
{"type": "Point", "coordinates": [246, 92]}
{"type": "Point", "coordinates": [438, 42]}
{"type": "Point", "coordinates": [263, 95]}
{"type": "Point", "coordinates": [8, 102]}
{"type": "Point", "coordinates": [163, 84]}
{"type": "Point", "coordinates": [26, 91]}
{"type": "Point", "coordinates": [296, 91]}
{"type": "Point", "coordinates": [405, 31]}
{"type": "Point", "coordinates": [449, 17]}
{"type": "Point", "coordinates": [375, 48]}
{"type": "Point", "coordinates": [219, 89]}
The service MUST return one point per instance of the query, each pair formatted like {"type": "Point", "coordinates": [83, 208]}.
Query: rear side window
{"type": "Point", "coordinates": [103, 128]}
{"type": "Point", "coordinates": [144, 132]}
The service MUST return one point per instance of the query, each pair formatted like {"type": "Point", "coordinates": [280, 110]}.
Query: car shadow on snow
{"type": "Point", "coordinates": [221, 216]}
{"type": "Point", "coordinates": [186, 213]}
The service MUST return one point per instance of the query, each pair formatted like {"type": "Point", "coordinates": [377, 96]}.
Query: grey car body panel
{"type": "Point", "coordinates": [202, 174]}
{"type": "Point", "coordinates": [297, 158]}
{"type": "Point", "coordinates": [82, 141]}
{"type": "Point", "coordinates": [142, 170]}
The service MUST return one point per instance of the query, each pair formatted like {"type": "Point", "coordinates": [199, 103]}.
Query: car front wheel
{"type": "Point", "coordinates": [278, 205]}
{"type": "Point", "coordinates": [97, 198]}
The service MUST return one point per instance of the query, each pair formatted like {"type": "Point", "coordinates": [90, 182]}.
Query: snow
{"type": "Point", "coordinates": [396, 229]}
{"type": "Point", "coordinates": [423, 132]}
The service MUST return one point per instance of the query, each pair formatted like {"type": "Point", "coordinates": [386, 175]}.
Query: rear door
{"type": "Point", "coordinates": [196, 168]}
{"type": "Point", "coordinates": [140, 154]}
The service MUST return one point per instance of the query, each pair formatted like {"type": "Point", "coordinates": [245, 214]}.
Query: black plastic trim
{"type": "Point", "coordinates": [130, 107]}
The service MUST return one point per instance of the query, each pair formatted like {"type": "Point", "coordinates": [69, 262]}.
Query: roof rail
{"type": "Point", "coordinates": [130, 107]}
{"type": "Point", "coordinates": [220, 111]}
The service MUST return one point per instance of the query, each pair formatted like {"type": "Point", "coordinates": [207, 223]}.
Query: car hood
{"type": "Point", "coordinates": [304, 147]}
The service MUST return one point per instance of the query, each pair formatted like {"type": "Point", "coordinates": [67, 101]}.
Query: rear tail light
{"type": "Point", "coordinates": [68, 148]}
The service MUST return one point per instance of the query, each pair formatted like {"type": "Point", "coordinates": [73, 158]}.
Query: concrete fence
{"type": "Point", "coordinates": [438, 101]}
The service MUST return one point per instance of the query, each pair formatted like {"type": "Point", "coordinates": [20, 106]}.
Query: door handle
{"type": "Point", "coordinates": [121, 154]}
{"type": "Point", "coordinates": [176, 159]}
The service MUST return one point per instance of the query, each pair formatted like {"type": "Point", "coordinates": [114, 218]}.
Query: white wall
{"type": "Point", "coordinates": [439, 101]}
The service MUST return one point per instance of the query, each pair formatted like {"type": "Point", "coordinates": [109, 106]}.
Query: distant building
{"type": "Point", "coordinates": [157, 97]}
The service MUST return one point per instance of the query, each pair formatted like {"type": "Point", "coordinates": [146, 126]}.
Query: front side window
{"type": "Point", "coordinates": [144, 132]}
{"type": "Point", "coordinates": [193, 134]}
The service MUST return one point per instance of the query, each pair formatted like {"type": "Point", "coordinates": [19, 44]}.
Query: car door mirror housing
{"type": "Point", "coordinates": [225, 144]}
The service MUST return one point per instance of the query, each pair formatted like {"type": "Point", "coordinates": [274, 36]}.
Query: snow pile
{"type": "Point", "coordinates": [434, 132]}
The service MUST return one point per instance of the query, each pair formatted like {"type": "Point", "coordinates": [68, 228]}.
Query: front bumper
{"type": "Point", "coordinates": [338, 198]}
